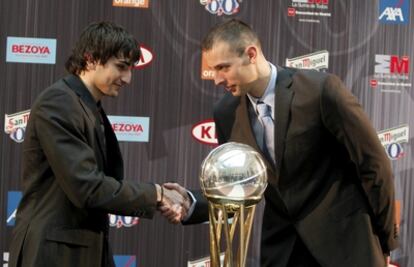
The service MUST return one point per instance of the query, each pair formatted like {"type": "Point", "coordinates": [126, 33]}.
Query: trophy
{"type": "Point", "coordinates": [233, 178]}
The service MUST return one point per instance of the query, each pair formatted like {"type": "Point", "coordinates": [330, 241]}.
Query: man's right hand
{"type": "Point", "coordinates": [176, 202]}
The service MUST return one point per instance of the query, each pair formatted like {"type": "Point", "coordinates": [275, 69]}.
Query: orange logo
{"type": "Point", "coordinates": [206, 74]}
{"type": "Point", "coordinates": [131, 3]}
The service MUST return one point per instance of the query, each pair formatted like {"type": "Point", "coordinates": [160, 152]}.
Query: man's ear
{"type": "Point", "coordinates": [251, 52]}
{"type": "Point", "coordinates": [90, 63]}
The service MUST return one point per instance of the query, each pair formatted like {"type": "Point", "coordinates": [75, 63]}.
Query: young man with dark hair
{"type": "Point", "coordinates": [72, 165]}
{"type": "Point", "coordinates": [330, 197]}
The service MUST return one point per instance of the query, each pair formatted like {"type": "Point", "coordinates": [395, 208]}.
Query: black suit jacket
{"type": "Point", "coordinates": [72, 179]}
{"type": "Point", "coordinates": [332, 185]}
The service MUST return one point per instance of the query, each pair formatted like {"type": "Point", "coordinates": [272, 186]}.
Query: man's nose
{"type": "Point", "coordinates": [218, 79]}
{"type": "Point", "coordinates": [126, 77]}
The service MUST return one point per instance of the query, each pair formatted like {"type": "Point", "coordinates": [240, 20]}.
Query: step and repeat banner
{"type": "Point", "coordinates": [163, 119]}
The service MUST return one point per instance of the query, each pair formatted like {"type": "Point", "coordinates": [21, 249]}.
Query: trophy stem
{"type": "Point", "coordinates": [219, 224]}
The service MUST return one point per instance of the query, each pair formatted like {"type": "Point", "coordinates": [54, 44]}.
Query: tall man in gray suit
{"type": "Point", "coordinates": [72, 164]}
{"type": "Point", "coordinates": [330, 198]}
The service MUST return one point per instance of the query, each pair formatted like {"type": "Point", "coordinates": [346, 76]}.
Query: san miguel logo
{"type": "Point", "coordinates": [391, 73]}
{"type": "Point", "coordinates": [318, 60]}
{"type": "Point", "coordinates": [392, 140]}
{"type": "Point", "coordinates": [31, 50]}
{"type": "Point", "coordinates": [205, 132]}
{"type": "Point", "coordinates": [222, 7]}
{"type": "Point", "coordinates": [15, 125]}
{"type": "Point", "coordinates": [145, 59]}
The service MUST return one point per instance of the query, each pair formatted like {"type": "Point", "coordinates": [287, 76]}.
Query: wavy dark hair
{"type": "Point", "coordinates": [99, 42]}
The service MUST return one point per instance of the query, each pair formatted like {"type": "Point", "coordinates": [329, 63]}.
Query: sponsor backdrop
{"type": "Point", "coordinates": [163, 118]}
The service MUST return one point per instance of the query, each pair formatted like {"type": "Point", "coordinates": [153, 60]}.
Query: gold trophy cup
{"type": "Point", "coordinates": [233, 178]}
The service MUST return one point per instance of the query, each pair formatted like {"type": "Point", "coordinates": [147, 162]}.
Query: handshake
{"type": "Point", "coordinates": [173, 202]}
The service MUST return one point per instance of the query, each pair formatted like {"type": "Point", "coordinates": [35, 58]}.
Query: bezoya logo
{"type": "Point", "coordinates": [222, 7]}
{"type": "Point", "coordinates": [392, 140]}
{"type": "Point", "coordinates": [15, 125]}
{"type": "Point", "coordinates": [394, 11]}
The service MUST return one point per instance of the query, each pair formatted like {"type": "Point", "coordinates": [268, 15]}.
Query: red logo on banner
{"type": "Point", "coordinates": [205, 132]}
{"type": "Point", "coordinates": [146, 58]}
{"type": "Point", "coordinates": [291, 12]}
{"type": "Point", "coordinates": [319, 2]}
{"type": "Point", "coordinates": [30, 49]}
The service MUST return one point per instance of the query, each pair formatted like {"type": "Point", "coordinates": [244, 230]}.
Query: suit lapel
{"type": "Point", "coordinates": [283, 99]}
{"type": "Point", "coordinates": [89, 105]}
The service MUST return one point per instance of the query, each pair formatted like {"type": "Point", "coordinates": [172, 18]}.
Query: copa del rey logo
{"type": "Point", "coordinates": [205, 132]}
{"type": "Point", "coordinates": [31, 50]}
{"type": "Point", "coordinates": [222, 7]}
{"type": "Point", "coordinates": [146, 57]}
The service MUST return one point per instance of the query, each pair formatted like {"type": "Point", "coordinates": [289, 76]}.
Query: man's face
{"type": "Point", "coordinates": [234, 72]}
{"type": "Point", "coordinates": [111, 76]}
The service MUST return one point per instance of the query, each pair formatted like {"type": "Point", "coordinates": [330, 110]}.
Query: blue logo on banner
{"type": "Point", "coordinates": [394, 11]}
{"type": "Point", "coordinates": [31, 50]}
{"type": "Point", "coordinates": [13, 200]}
{"type": "Point", "coordinates": [125, 260]}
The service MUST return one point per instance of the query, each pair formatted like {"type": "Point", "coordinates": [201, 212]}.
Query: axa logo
{"type": "Point", "coordinates": [15, 125]}
{"type": "Point", "coordinates": [392, 64]}
{"type": "Point", "coordinates": [131, 3]}
{"type": "Point", "coordinates": [145, 59]}
{"type": "Point", "coordinates": [119, 221]}
{"type": "Point", "coordinates": [394, 11]}
{"type": "Point", "coordinates": [205, 132]}
{"type": "Point", "coordinates": [125, 260]}
{"type": "Point", "coordinates": [221, 7]}
{"type": "Point", "coordinates": [13, 200]}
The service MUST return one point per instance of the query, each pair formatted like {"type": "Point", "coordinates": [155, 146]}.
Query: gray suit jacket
{"type": "Point", "coordinates": [72, 178]}
{"type": "Point", "coordinates": [332, 185]}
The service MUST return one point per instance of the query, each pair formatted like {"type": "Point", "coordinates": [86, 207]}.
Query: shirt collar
{"type": "Point", "coordinates": [269, 95]}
